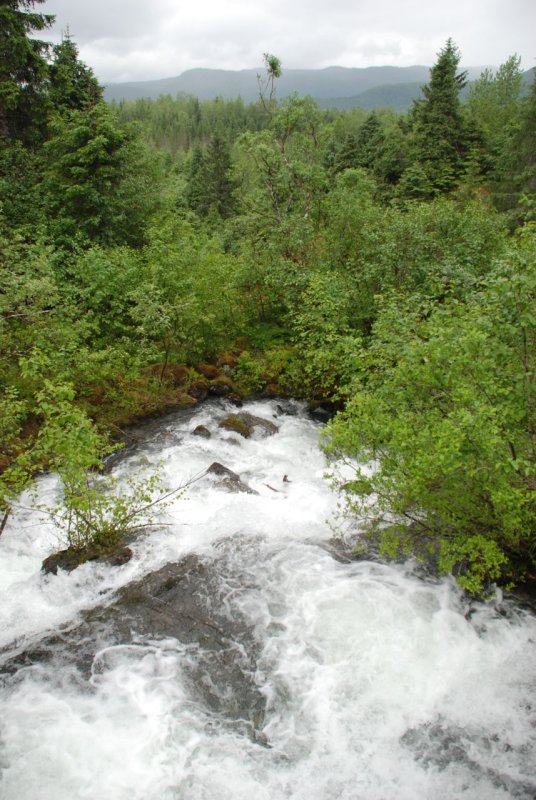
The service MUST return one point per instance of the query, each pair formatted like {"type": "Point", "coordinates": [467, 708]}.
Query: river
{"type": "Point", "coordinates": [243, 652]}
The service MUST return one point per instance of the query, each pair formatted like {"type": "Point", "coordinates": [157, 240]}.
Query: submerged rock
{"type": "Point", "coordinates": [187, 601]}
{"type": "Point", "coordinates": [246, 424]}
{"type": "Point", "coordinates": [229, 479]}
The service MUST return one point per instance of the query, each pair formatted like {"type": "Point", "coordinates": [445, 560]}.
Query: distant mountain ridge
{"type": "Point", "coordinates": [331, 87]}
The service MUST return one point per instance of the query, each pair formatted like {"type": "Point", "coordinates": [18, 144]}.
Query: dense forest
{"type": "Point", "coordinates": [381, 265]}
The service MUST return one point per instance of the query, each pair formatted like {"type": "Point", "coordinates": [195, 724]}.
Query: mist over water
{"type": "Point", "coordinates": [330, 677]}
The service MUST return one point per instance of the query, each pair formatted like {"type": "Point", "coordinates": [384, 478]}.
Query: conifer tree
{"type": "Point", "coordinates": [23, 71]}
{"type": "Point", "coordinates": [209, 182]}
{"type": "Point", "coordinates": [196, 190]}
{"type": "Point", "coordinates": [220, 185]}
{"type": "Point", "coordinates": [72, 84]}
{"type": "Point", "coordinates": [370, 140]}
{"type": "Point", "coordinates": [348, 155]}
{"type": "Point", "coordinates": [440, 132]}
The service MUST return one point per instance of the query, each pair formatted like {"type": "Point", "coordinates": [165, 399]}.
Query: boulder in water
{"type": "Point", "coordinates": [229, 479]}
{"type": "Point", "coordinates": [246, 424]}
{"type": "Point", "coordinates": [202, 431]}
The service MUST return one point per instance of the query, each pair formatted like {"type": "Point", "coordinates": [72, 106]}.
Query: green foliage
{"type": "Point", "coordinates": [96, 170]}
{"type": "Point", "coordinates": [94, 515]}
{"type": "Point", "coordinates": [272, 65]}
{"type": "Point", "coordinates": [23, 71]}
{"type": "Point", "coordinates": [516, 183]}
{"type": "Point", "coordinates": [248, 375]}
{"type": "Point", "coordinates": [91, 513]}
{"type": "Point", "coordinates": [330, 354]}
{"type": "Point", "coordinates": [210, 186]}
{"type": "Point", "coordinates": [439, 128]}
{"type": "Point", "coordinates": [72, 85]}
{"type": "Point", "coordinates": [445, 413]}
{"type": "Point", "coordinates": [188, 299]}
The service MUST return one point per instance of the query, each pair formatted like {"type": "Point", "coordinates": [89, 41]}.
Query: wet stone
{"type": "Point", "coordinates": [202, 431]}
{"type": "Point", "coordinates": [70, 558]}
{"type": "Point", "coordinates": [229, 479]}
{"type": "Point", "coordinates": [187, 601]}
{"type": "Point", "coordinates": [247, 424]}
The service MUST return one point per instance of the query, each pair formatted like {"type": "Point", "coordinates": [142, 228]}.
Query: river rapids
{"type": "Point", "coordinates": [243, 652]}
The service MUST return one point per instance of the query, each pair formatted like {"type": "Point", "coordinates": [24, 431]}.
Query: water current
{"type": "Point", "coordinates": [243, 653]}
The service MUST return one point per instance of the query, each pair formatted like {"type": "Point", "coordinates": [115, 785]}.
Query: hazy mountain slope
{"type": "Point", "coordinates": [333, 87]}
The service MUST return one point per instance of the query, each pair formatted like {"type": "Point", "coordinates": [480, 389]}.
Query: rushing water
{"type": "Point", "coordinates": [239, 654]}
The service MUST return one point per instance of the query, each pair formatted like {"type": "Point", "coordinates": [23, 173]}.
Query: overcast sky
{"type": "Point", "coordinates": [124, 40]}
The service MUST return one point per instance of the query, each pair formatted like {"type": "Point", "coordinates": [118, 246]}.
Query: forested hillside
{"type": "Point", "coordinates": [383, 264]}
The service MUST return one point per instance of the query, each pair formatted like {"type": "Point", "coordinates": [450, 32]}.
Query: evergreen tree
{"type": "Point", "coordinates": [220, 186]}
{"type": "Point", "coordinates": [440, 133]}
{"type": "Point", "coordinates": [370, 140]}
{"type": "Point", "coordinates": [495, 104]}
{"type": "Point", "coordinates": [526, 149]}
{"type": "Point", "coordinates": [72, 84]}
{"type": "Point", "coordinates": [209, 179]}
{"type": "Point", "coordinates": [100, 182]}
{"type": "Point", "coordinates": [196, 190]}
{"type": "Point", "coordinates": [23, 71]}
{"type": "Point", "coordinates": [348, 155]}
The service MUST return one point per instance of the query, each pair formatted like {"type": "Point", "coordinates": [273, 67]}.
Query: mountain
{"type": "Point", "coordinates": [332, 87]}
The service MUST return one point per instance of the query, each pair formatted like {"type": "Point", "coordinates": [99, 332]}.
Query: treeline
{"type": "Point", "coordinates": [382, 263]}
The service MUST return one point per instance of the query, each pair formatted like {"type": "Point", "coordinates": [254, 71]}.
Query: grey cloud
{"type": "Point", "coordinates": [136, 39]}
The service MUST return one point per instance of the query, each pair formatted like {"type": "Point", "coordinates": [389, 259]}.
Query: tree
{"type": "Point", "coordinates": [445, 414]}
{"type": "Point", "coordinates": [370, 141]}
{"type": "Point", "coordinates": [267, 85]}
{"type": "Point", "coordinates": [439, 127]}
{"type": "Point", "coordinates": [347, 157]}
{"type": "Point", "coordinates": [196, 195]}
{"type": "Point", "coordinates": [210, 186]}
{"type": "Point", "coordinates": [23, 71]}
{"type": "Point", "coordinates": [100, 182]}
{"type": "Point", "coordinates": [72, 85]}
{"type": "Point", "coordinates": [218, 172]}
{"type": "Point", "coordinates": [494, 101]}
{"type": "Point", "coordinates": [515, 188]}
{"type": "Point", "coordinates": [494, 104]}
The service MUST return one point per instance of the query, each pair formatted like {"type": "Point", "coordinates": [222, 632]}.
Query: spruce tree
{"type": "Point", "coordinates": [73, 86]}
{"type": "Point", "coordinates": [370, 141]}
{"type": "Point", "coordinates": [23, 71]}
{"type": "Point", "coordinates": [220, 184]}
{"type": "Point", "coordinates": [196, 189]}
{"type": "Point", "coordinates": [440, 132]}
{"type": "Point", "coordinates": [209, 179]}
{"type": "Point", "coordinates": [348, 155]}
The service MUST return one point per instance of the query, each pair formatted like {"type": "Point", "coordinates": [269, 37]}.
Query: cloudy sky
{"type": "Point", "coordinates": [125, 40]}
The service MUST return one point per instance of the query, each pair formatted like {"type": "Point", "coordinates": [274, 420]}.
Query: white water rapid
{"type": "Point", "coordinates": [337, 679]}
